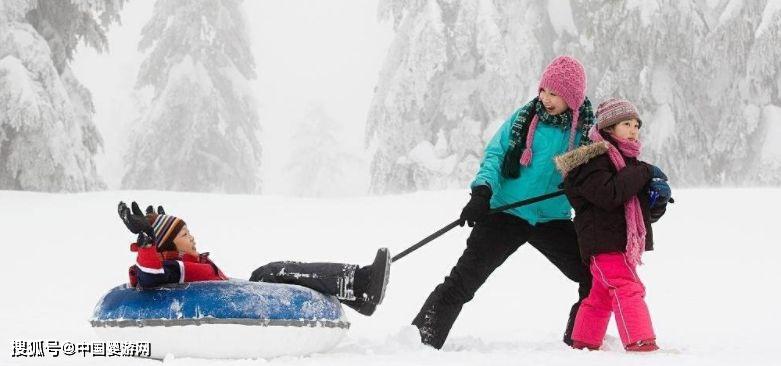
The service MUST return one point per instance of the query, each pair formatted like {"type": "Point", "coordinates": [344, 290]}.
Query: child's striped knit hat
{"type": "Point", "coordinates": [615, 110]}
{"type": "Point", "coordinates": [166, 228]}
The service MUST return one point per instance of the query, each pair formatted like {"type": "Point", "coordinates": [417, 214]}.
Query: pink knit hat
{"type": "Point", "coordinates": [615, 110]}
{"type": "Point", "coordinates": [565, 76]}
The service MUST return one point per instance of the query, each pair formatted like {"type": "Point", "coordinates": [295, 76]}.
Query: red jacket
{"type": "Point", "coordinates": [154, 269]}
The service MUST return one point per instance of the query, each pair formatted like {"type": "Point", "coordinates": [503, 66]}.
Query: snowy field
{"type": "Point", "coordinates": [712, 282]}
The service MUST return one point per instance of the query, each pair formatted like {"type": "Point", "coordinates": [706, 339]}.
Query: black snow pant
{"type": "Point", "coordinates": [491, 242]}
{"type": "Point", "coordinates": [337, 279]}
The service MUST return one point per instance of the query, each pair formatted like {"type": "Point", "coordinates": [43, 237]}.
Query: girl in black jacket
{"type": "Point", "coordinates": [611, 192]}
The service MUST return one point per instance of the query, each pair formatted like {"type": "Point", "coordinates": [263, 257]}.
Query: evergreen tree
{"type": "Point", "coordinates": [764, 96]}
{"type": "Point", "coordinates": [646, 53]}
{"type": "Point", "coordinates": [47, 138]}
{"type": "Point", "coordinates": [454, 68]}
{"type": "Point", "coordinates": [201, 130]}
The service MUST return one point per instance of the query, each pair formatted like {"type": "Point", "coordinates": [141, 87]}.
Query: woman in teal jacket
{"type": "Point", "coordinates": [518, 164]}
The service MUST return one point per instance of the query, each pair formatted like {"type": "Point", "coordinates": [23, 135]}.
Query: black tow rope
{"type": "Point", "coordinates": [453, 224]}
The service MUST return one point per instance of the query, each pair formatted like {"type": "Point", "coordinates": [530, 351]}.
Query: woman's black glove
{"type": "Point", "coordinates": [478, 206]}
{"type": "Point", "coordinates": [136, 222]}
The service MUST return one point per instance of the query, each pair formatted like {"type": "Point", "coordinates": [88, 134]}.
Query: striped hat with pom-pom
{"type": "Point", "coordinates": [166, 228]}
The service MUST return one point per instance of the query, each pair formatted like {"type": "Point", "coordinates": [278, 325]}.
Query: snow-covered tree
{"type": "Point", "coordinates": [764, 96]}
{"type": "Point", "coordinates": [685, 64]}
{"type": "Point", "coordinates": [201, 130]}
{"type": "Point", "coordinates": [453, 69]}
{"type": "Point", "coordinates": [704, 74]}
{"type": "Point", "coordinates": [647, 53]}
{"type": "Point", "coordinates": [47, 138]}
{"type": "Point", "coordinates": [319, 164]}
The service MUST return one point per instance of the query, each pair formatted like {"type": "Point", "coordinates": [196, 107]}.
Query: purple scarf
{"type": "Point", "coordinates": [635, 225]}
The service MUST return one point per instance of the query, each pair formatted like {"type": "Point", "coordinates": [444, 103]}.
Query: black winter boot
{"type": "Point", "coordinates": [371, 281]}
{"type": "Point", "coordinates": [435, 320]}
{"type": "Point", "coordinates": [571, 324]}
{"type": "Point", "coordinates": [583, 290]}
{"type": "Point", "coordinates": [361, 306]}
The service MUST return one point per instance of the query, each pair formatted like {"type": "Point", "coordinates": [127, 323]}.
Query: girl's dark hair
{"type": "Point", "coordinates": [608, 137]}
{"type": "Point", "coordinates": [612, 127]}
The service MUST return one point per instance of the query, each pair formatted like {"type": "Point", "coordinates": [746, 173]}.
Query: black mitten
{"type": "Point", "coordinates": [151, 210]}
{"type": "Point", "coordinates": [136, 222]}
{"type": "Point", "coordinates": [478, 206]}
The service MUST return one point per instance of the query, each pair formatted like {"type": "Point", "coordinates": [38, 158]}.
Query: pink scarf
{"type": "Point", "coordinates": [635, 225]}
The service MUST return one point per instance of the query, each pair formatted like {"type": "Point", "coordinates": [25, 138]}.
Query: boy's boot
{"type": "Point", "coordinates": [361, 306]}
{"type": "Point", "coordinates": [646, 345]}
{"type": "Point", "coordinates": [371, 282]}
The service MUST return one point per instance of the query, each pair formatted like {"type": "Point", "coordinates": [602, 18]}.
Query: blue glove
{"type": "Point", "coordinates": [659, 192]}
{"type": "Point", "coordinates": [657, 173]}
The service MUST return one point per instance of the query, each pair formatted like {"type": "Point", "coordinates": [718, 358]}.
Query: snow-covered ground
{"type": "Point", "coordinates": [712, 282]}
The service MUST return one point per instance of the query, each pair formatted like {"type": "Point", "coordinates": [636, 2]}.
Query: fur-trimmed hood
{"type": "Point", "coordinates": [572, 159]}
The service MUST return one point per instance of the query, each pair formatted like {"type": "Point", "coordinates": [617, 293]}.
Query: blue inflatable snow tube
{"type": "Point", "coordinates": [219, 302]}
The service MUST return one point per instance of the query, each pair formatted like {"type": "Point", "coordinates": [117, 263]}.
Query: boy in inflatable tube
{"type": "Point", "coordinates": [166, 254]}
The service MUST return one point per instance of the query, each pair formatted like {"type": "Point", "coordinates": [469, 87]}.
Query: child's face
{"type": "Point", "coordinates": [626, 130]}
{"type": "Point", "coordinates": [185, 242]}
{"type": "Point", "coordinates": [553, 103]}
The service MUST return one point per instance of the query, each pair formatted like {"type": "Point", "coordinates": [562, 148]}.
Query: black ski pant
{"type": "Point", "coordinates": [491, 242]}
{"type": "Point", "coordinates": [335, 279]}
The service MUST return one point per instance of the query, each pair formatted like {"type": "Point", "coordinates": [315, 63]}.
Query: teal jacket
{"type": "Point", "coordinates": [539, 178]}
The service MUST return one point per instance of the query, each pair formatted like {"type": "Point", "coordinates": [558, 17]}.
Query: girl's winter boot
{"type": "Point", "coordinates": [647, 345]}
{"type": "Point", "coordinates": [584, 345]}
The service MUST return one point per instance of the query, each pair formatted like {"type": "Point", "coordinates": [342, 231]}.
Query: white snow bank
{"type": "Point", "coordinates": [228, 341]}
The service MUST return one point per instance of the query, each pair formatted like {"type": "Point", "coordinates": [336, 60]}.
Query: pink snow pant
{"type": "Point", "coordinates": [617, 289]}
